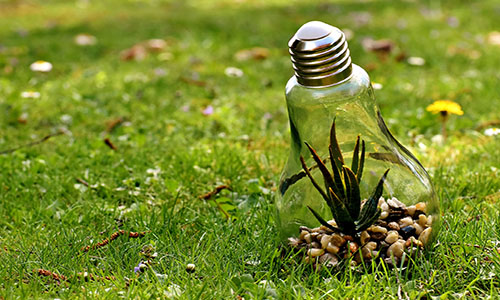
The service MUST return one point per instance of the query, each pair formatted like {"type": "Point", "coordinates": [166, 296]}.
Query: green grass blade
{"type": "Point", "coordinates": [353, 202]}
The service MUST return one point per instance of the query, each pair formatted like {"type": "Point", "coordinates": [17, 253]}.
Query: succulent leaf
{"type": "Point", "coordinates": [355, 157]}
{"type": "Point", "coordinates": [340, 213]}
{"type": "Point", "coordinates": [315, 184]}
{"type": "Point", "coordinates": [359, 172]}
{"type": "Point", "coordinates": [367, 223]}
{"type": "Point", "coordinates": [321, 220]}
{"type": "Point", "coordinates": [337, 176]}
{"type": "Point", "coordinates": [370, 207]}
{"type": "Point", "coordinates": [329, 182]}
{"type": "Point", "coordinates": [337, 154]}
{"type": "Point", "coordinates": [352, 189]}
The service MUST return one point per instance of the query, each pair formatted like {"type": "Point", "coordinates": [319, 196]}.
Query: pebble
{"type": "Point", "coordinates": [314, 235]}
{"type": "Point", "coordinates": [381, 201]}
{"type": "Point", "coordinates": [332, 248]}
{"type": "Point", "coordinates": [392, 237]}
{"type": "Point", "coordinates": [304, 228]}
{"type": "Point", "coordinates": [418, 228]}
{"type": "Point", "coordinates": [413, 241]}
{"type": "Point", "coordinates": [421, 206]}
{"type": "Point", "coordinates": [406, 222]}
{"type": "Point", "coordinates": [366, 253]}
{"type": "Point", "coordinates": [408, 231]}
{"type": "Point", "coordinates": [411, 210]}
{"type": "Point", "coordinates": [429, 221]}
{"type": "Point", "coordinates": [425, 236]}
{"type": "Point", "coordinates": [303, 234]}
{"type": "Point", "coordinates": [190, 268]}
{"type": "Point", "coordinates": [325, 240]}
{"type": "Point", "coordinates": [332, 223]}
{"type": "Point", "coordinates": [422, 220]}
{"type": "Point", "coordinates": [393, 226]}
{"type": "Point", "coordinates": [316, 245]}
{"type": "Point", "coordinates": [384, 206]}
{"type": "Point", "coordinates": [329, 260]}
{"type": "Point", "coordinates": [353, 247]}
{"type": "Point", "coordinates": [371, 245]}
{"type": "Point", "coordinates": [308, 238]}
{"type": "Point", "coordinates": [378, 236]}
{"type": "Point", "coordinates": [396, 249]}
{"type": "Point", "coordinates": [384, 215]}
{"type": "Point", "coordinates": [294, 242]}
{"type": "Point", "coordinates": [364, 237]}
{"type": "Point", "coordinates": [337, 240]}
{"type": "Point", "coordinates": [378, 229]}
{"type": "Point", "coordinates": [315, 252]}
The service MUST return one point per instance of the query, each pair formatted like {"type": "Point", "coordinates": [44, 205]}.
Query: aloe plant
{"type": "Point", "coordinates": [341, 191]}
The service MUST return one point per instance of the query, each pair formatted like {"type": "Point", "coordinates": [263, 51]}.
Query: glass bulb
{"type": "Point", "coordinates": [327, 87]}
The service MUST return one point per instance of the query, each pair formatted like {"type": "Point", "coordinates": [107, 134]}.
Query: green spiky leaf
{"type": "Point", "coordinates": [315, 184]}
{"type": "Point", "coordinates": [355, 157]}
{"type": "Point", "coordinates": [361, 164]}
{"type": "Point", "coordinates": [341, 214]}
{"type": "Point", "coordinates": [329, 182]}
{"type": "Point", "coordinates": [370, 207]}
{"type": "Point", "coordinates": [352, 189]}
{"type": "Point", "coordinates": [336, 153]}
{"type": "Point", "coordinates": [337, 176]}
{"type": "Point", "coordinates": [368, 222]}
{"type": "Point", "coordinates": [321, 220]}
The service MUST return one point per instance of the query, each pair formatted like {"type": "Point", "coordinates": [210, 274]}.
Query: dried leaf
{"type": "Point", "coordinates": [257, 53]}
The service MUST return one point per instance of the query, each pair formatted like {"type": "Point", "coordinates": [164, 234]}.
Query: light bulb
{"type": "Point", "coordinates": [326, 86]}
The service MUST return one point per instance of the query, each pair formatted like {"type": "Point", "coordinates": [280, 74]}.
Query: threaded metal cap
{"type": "Point", "coordinates": [320, 55]}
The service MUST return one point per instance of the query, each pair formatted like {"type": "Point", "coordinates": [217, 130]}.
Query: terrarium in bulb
{"type": "Point", "coordinates": [327, 88]}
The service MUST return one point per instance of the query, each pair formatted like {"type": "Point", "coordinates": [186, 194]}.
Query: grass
{"type": "Point", "coordinates": [47, 219]}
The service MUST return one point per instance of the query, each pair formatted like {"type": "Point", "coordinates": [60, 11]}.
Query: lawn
{"type": "Point", "coordinates": [119, 140]}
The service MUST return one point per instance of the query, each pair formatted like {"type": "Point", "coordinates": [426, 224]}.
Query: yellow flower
{"type": "Point", "coordinates": [445, 107]}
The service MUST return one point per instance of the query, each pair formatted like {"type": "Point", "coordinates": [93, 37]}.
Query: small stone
{"type": "Point", "coordinates": [314, 235]}
{"type": "Point", "coordinates": [366, 253]}
{"type": "Point", "coordinates": [314, 252]}
{"type": "Point", "coordinates": [425, 236]}
{"type": "Point", "coordinates": [422, 220]}
{"type": "Point", "coordinates": [381, 201]}
{"type": "Point", "coordinates": [190, 268]}
{"type": "Point", "coordinates": [332, 248]}
{"type": "Point", "coordinates": [391, 261]}
{"type": "Point", "coordinates": [365, 237]}
{"type": "Point", "coordinates": [384, 206]}
{"type": "Point", "coordinates": [421, 206]}
{"type": "Point", "coordinates": [293, 242]}
{"type": "Point", "coordinates": [332, 223]}
{"type": "Point", "coordinates": [408, 231]}
{"type": "Point", "coordinates": [384, 214]}
{"type": "Point", "coordinates": [329, 260]}
{"type": "Point", "coordinates": [429, 221]}
{"type": "Point", "coordinates": [337, 240]}
{"type": "Point", "coordinates": [392, 237]}
{"type": "Point", "coordinates": [371, 245]}
{"type": "Point", "coordinates": [304, 228]}
{"type": "Point", "coordinates": [418, 228]}
{"type": "Point", "coordinates": [348, 238]}
{"type": "Point", "coordinates": [413, 241]}
{"type": "Point", "coordinates": [393, 226]}
{"type": "Point", "coordinates": [396, 249]}
{"type": "Point", "coordinates": [411, 210]}
{"type": "Point", "coordinates": [325, 240]}
{"type": "Point", "coordinates": [308, 238]}
{"type": "Point", "coordinates": [315, 230]}
{"type": "Point", "coordinates": [303, 234]}
{"type": "Point", "coordinates": [316, 245]}
{"type": "Point", "coordinates": [378, 236]}
{"type": "Point", "coordinates": [377, 229]}
{"type": "Point", "coordinates": [353, 247]}
{"type": "Point", "coordinates": [406, 222]}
